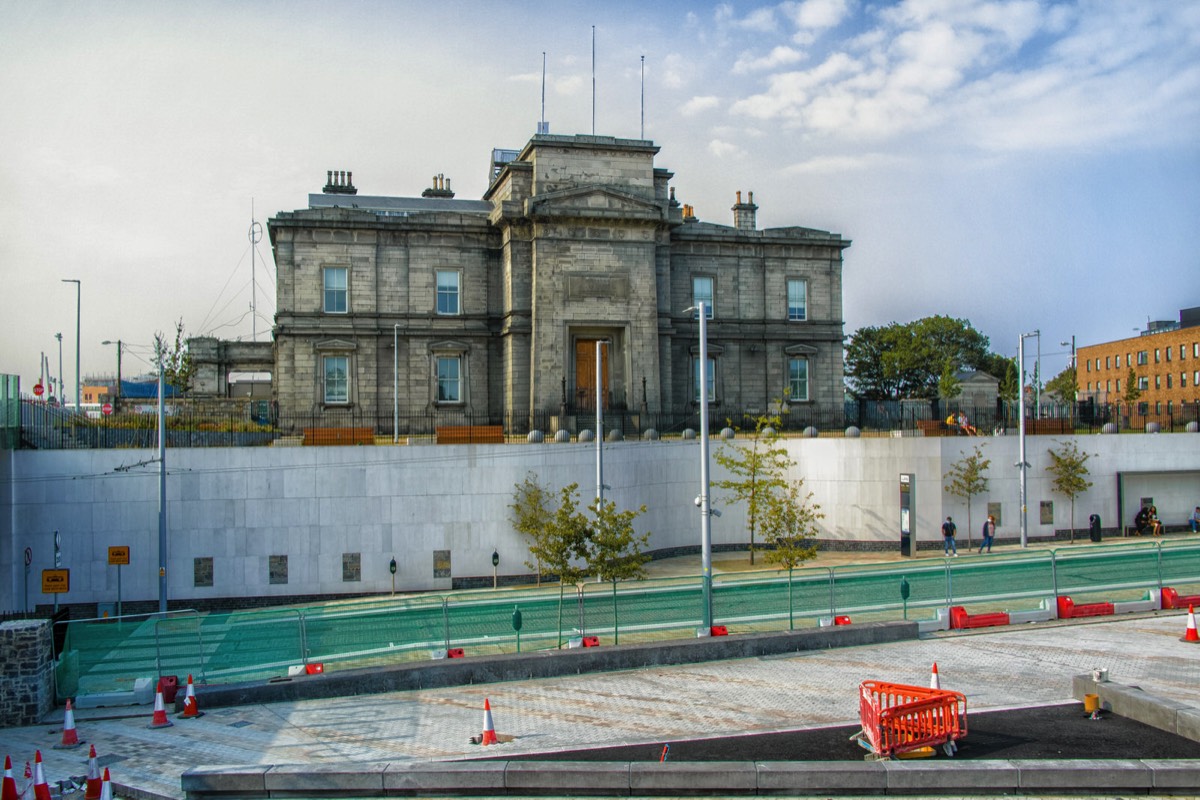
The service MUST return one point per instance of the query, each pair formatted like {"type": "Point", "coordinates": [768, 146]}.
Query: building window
{"type": "Point", "coordinates": [1157, 381]}
{"type": "Point", "coordinates": [449, 379]}
{"type": "Point", "coordinates": [1168, 381]}
{"type": "Point", "coordinates": [337, 379]}
{"type": "Point", "coordinates": [1097, 364]}
{"type": "Point", "coordinates": [1089, 386]}
{"type": "Point", "coordinates": [351, 567]}
{"type": "Point", "coordinates": [202, 571]}
{"type": "Point", "coordinates": [335, 290]}
{"type": "Point", "coordinates": [1170, 406]}
{"type": "Point", "coordinates": [1183, 380]}
{"type": "Point", "coordinates": [1195, 349]}
{"type": "Point", "coordinates": [710, 379]}
{"type": "Point", "coordinates": [1108, 386]}
{"type": "Point", "coordinates": [1088, 365]}
{"type": "Point", "coordinates": [798, 379]}
{"type": "Point", "coordinates": [1156, 355]}
{"type": "Point", "coordinates": [1158, 407]}
{"type": "Point", "coordinates": [1182, 352]}
{"type": "Point", "coordinates": [702, 292]}
{"type": "Point", "coordinates": [1143, 384]}
{"type": "Point", "coordinates": [1143, 358]}
{"type": "Point", "coordinates": [797, 300]}
{"type": "Point", "coordinates": [447, 292]}
{"type": "Point", "coordinates": [1143, 409]}
{"type": "Point", "coordinates": [1118, 384]}
{"type": "Point", "coordinates": [1118, 360]}
{"type": "Point", "coordinates": [1168, 354]}
{"type": "Point", "coordinates": [277, 569]}
{"type": "Point", "coordinates": [1196, 378]}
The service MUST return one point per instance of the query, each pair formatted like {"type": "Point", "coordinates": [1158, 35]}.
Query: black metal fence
{"type": "Point", "coordinates": [51, 427]}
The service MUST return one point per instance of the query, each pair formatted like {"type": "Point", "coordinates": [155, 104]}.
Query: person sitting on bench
{"type": "Point", "coordinates": [1155, 526]}
{"type": "Point", "coordinates": [1194, 521]}
{"type": "Point", "coordinates": [1141, 521]}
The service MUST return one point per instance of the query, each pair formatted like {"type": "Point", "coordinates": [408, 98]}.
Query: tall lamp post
{"type": "Point", "coordinates": [704, 501]}
{"type": "Point", "coordinates": [119, 346]}
{"type": "Point", "coordinates": [396, 383]}
{"type": "Point", "coordinates": [1023, 465]}
{"type": "Point", "coordinates": [599, 423]}
{"type": "Point", "coordinates": [78, 302]}
{"type": "Point", "coordinates": [1074, 378]}
{"type": "Point", "coordinates": [60, 372]}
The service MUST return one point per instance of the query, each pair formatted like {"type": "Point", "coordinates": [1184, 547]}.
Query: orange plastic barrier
{"type": "Point", "coordinates": [959, 619]}
{"type": "Point", "coordinates": [1067, 609]}
{"type": "Point", "coordinates": [897, 718]}
{"type": "Point", "coordinates": [1172, 599]}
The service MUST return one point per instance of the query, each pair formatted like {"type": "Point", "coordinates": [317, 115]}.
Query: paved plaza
{"type": "Point", "coordinates": [998, 668]}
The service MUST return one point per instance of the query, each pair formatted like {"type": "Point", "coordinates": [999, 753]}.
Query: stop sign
{"type": "Point", "coordinates": [38, 389]}
{"type": "Point", "coordinates": [106, 408]}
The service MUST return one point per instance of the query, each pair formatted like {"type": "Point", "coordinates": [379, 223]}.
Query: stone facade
{"type": "Point", "coordinates": [495, 305]}
{"type": "Point", "coordinates": [26, 672]}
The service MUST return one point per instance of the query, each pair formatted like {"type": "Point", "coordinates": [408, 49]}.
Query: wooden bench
{"type": "Point", "coordinates": [470, 434]}
{"type": "Point", "coordinates": [1040, 427]}
{"type": "Point", "coordinates": [934, 427]}
{"type": "Point", "coordinates": [339, 436]}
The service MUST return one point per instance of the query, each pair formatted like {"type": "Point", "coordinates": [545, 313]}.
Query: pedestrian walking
{"type": "Point", "coordinates": [989, 533]}
{"type": "Point", "coordinates": [948, 543]}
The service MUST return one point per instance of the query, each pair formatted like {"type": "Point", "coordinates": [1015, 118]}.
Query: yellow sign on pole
{"type": "Point", "coordinates": [118, 555]}
{"type": "Point", "coordinates": [56, 581]}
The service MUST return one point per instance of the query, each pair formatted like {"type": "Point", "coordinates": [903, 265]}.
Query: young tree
{"type": "Point", "coordinates": [178, 369]}
{"type": "Point", "coordinates": [967, 478]}
{"type": "Point", "coordinates": [949, 386]}
{"type": "Point", "coordinates": [1068, 468]}
{"type": "Point", "coordinates": [566, 545]}
{"type": "Point", "coordinates": [614, 550]}
{"type": "Point", "coordinates": [530, 515]}
{"type": "Point", "coordinates": [1009, 388]}
{"type": "Point", "coordinates": [790, 523]}
{"type": "Point", "coordinates": [1063, 385]}
{"type": "Point", "coordinates": [757, 470]}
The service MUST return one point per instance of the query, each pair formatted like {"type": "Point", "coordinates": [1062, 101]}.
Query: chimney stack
{"type": "Point", "coordinates": [339, 182]}
{"type": "Point", "coordinates": [439, 188]}
{"type": "Point", "coordinates": [744, 216]}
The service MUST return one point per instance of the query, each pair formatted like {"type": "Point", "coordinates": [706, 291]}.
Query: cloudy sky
{"type": "Point", "coordinates": [1022, 164]}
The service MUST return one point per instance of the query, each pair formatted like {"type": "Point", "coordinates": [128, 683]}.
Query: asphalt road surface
{"type": "Point", "coordinates": [1056, 731]}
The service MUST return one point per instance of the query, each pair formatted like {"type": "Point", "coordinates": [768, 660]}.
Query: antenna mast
{"type": "Point", "coordinates": [543, 126]}
{"type": "Point", "coordinates": [255, 236]}
{"type": "Point", "coordinates": [643, 135]}
{"type": "Point", "coordinates": [593, 80]}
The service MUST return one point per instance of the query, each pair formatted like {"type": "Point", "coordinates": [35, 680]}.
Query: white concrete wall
{"type": "Point", "coordinates": [241, 506]}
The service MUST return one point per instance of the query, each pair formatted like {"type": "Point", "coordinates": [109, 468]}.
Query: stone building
{"type": "Point", "coordinates": [490, 310]}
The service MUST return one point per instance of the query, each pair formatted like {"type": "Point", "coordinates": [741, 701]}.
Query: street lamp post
{"type": "Point", "coordinates": [1022, 464]}
{"type": "Point", "coordinates": [1074, 379]}
{"type": "Point", "coordinates": [599, 424]}
{"type": "Point", "coordinates": [704, 501]}
{"type": "Point", "coordinates": [78, 302]}
{"type": "Point", "coordinates": [396, 383]}
{"type": "Point", "coordinates": [119, 346]}
{"type": "Point", "coordinates": [60, 372]}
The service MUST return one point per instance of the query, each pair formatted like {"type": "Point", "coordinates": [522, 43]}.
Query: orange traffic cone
{"type": "Point", "coordinates": [9, 792]}
{"type": "Point", "coordinates": [70, 737]}
{"type": "Point", "coordinates": [489, 729]}
{"type": "Point", "coordinates": [92, 792]}
{"type": "Point", "coordinates": [1190, 635]}
{"type": "Point", "coordinates": [41, 789]}
{"type": "Point", "coordinates": [934, 681]}
{"type": "Point", "coordinates": [190, 709]}
{"type": "Point", "coordinates": [160, 711]}
{"type": "Point", "coordinates": [106, 787]}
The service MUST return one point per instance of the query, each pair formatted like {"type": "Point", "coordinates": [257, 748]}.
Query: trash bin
{"type": "Point", "coordinates": [1094, 524]}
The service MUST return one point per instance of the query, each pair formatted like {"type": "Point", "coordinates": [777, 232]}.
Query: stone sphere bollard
{"type": "Point", "coordinates": [768, 431]}
{"type": "Point", "coordinates": [586, 435]}
{"type": "Point", "coordinates": [615, 436]}
{"type": "Point", "coordinates": [1109, 427]}
{"type": "Point", "coordinates": [562, 436]}
{"type": "Point", "coordinates": [853, 432]}
{"type": "Point", "coordinates": [811, 432]}
{"type": "Point", "coordinates": [727, 433]}
{"type": "Point", "coordinates": [1153, 427]}
{"type": "Point", "coordinates": [689, 433]}
{"type": "Point", "coordinates": [650, 435]}
{"type": "Point", "coordinates": [535, 437]}
{"type": "Point", "coordinates": [1193, 427]}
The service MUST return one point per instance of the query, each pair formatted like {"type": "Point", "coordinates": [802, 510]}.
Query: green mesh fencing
{"type": "Point", "coordinates": [109, 655]}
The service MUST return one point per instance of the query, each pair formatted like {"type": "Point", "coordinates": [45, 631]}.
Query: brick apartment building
{"type": "Point", "coordinates": [1165, 360]}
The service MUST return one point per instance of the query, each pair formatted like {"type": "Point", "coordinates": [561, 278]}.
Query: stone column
{"type": "Point", "coordinates": [26, 672]}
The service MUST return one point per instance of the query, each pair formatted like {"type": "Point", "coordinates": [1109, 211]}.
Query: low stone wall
{"type": "Point", "coordinates": [26, 672]}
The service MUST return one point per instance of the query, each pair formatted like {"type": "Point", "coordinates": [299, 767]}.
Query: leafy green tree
{"type": "Point", "coordinates": [178, 368]}
{"type": "Point", "coordinates": [614, 549]}
{"type": "Point", "coordinates": [968, 477]}
{"type": "Point", "coordinates": [1063, 384]}
{"type": "Point", "coordinates": [530, 515]}
{"type": "Point", "coordinates": [789, 523]}
{"type": "Point", "coordinates": [756, 469]}
{"type": "Point", "coordinates": [904, 360]}
{"type": "Point", "coordinates": [1132, 392]}
{"type": "Point", "coordinates": [1069, 471]}
{"type": "Point", "coordinates": [565, 551]}
{"type": "Point", "coordinates": [1009, 388]}
{"type": "Point", "coordinates": [949, 386]}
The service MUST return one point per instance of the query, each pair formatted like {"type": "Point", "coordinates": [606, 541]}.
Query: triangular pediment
{"type": "Point", "coordinates": [598, 202]}
{"type": "Point", "coordinates": [334, 344]}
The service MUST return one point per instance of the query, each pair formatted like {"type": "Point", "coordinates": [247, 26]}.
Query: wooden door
{"type": "Point", "coordinates": [585, 373]}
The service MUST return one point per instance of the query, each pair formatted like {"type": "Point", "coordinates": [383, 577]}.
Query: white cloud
{"type": "Point", "coordinates": [837, 165]}
{"type": "Point", "coordinates": [778, 57]}
{"type": "Point", "coordinates": [698, 104]}
{"type": "Point", "coordinates": [723, 149]}
{"type": "Point", "coordinates": [760, 20]}
{"type": "Point", "coordinates": [818, 15]}
{"type": "Point", "coordinates": [674, 71]}
{"type": "Point", "coordinates": [567, 85]}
